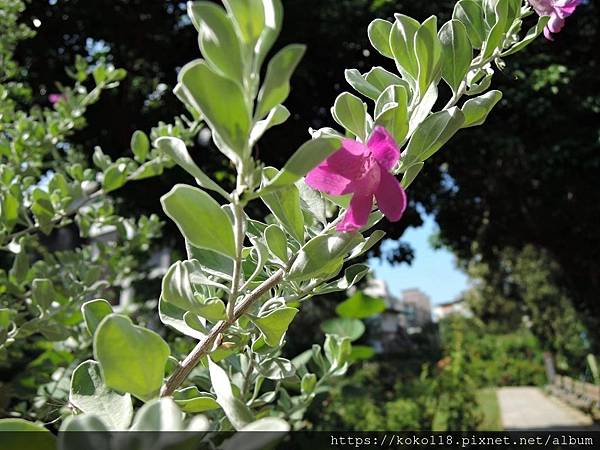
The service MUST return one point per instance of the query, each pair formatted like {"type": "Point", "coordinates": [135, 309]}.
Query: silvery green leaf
{"type": "Point", "coordinates": [411, 173]}
{"type": "Point", "coordinates": [379, 34]}
{"type": "Point", "coordinates": [391, 112]}
{"type": "Point", "coordinates": [236, 411]}
{"type": "Point", "coordinates": [218, 40]}
{"type": "Point", "coordinates": [432, 134]}
{"type": "Point", "coordinates": [457, 53]}
{"type": "Point", "coordinates": [358, 82]}
{"type": "Point", "coordinates": [221, 102]}
{"type": "Point", "coordinates": [278, 115]}
{"type": "Point", "coordinates": [274, 324]}
{"type": "Point", "coordinates": [402, 44]}
{"type": "Point", "coordinates": [322, 255]}
{"type": "Point", "coordinates": [381, 79]}
{"type": "Point", "coordinates": [276, 86]}
{"type": "Point", "coordinates": [176, 149]}
{"type": "Point", "coordinates": [200, 219]}
{"type": "Point", "coordinates": [90, 395]}
{"type": "Point", "coordinates": [93, 313]}
{"type": "Point", "coordinates": [470, 13]}
{"type": "Point", "coordinates": [132, 358]}
{"type": "Point", "coordinates": [351, 113]}
{"type": "Point", "coordinates": [274, 429]}
{"type": "Point", "coordinates": [428, 49]}
{"type": "Point", "coordinates": [477, 109]}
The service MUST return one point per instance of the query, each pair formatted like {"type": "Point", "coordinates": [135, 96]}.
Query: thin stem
{"type": "Point", "coordinates": [205, 345]}
{"type": "Point", "coordinates": [239, 230]}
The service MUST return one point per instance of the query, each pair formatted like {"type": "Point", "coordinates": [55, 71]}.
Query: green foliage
{"type": "Point", "coordinates": [244, 278]}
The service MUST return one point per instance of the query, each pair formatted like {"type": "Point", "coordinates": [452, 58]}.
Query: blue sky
{"type": "Point", "coordinates": [432, 271]}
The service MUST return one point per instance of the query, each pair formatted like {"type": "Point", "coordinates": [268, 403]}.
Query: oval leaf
{"type": "Point", "coordinates": [200, 219]}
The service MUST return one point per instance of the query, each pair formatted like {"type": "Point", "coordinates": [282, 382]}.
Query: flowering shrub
{"type": "Point", "coordinates": [244, 280]}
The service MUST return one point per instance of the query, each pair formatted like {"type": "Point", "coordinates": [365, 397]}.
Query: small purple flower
{"type": "Point", "coordinates": [362, 170]}
{"type": "Point", "coordinates": [558, 10]}
{"type": "Point", "coordinates": [55, 98]}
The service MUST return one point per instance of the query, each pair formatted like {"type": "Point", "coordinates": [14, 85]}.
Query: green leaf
{"type": "Point", "coordinates": [114, 177]}
{"type": "Point", "coordinates": [42, 209]}
{"type": "Point", "coordinates": [42, 292]}
{"type": "Point", "coordinates": [477, 109]}
{"type": "Point", "coordinates": [90, 394]}
{"type": "Point", "coordinates": [358, 82]}
{"type": "Point", "coordinates": [20, 434]}
{"type": "Point", "coordinates": [379, 34]}
{"type": "Point", "coordinates": [273, 430]}
{"type": "Point", "coordinates": [308, 383]}
{"type": "Point", "coordinates": [429, 54]}
{"type": "Point", "coordinates": [218, 41]}
{"type": "Point", "coordinates": [284, 203]}
{"type": "Point", "coordinates": [496, 13]}
{"type": "Point", "coordinates": [531, 35]}
{"type": "Point", "coordinates": [277, 369]}
{"type": "Point", "coordinates": [75, 432]}
{"type": "Point", "coordinates": [274, 324]}
{"type": "Point", "coordinates": [93, 313]}
{"type": "Point", "coordinates": [237, 412]}
{"type": "Point", "coordinates": [360, 306]}
{"type": "Point", "coordinates": [273, 20]}
{"type": "Point", "coordinates": [470, 13]}
{"type": "Point", "coordinates": [20, 268]}
{"type": "Point", "coordinates": [351, 113]}
{"type": "Point", "coordinates": [391, 111]}
{"type": "Point", "coordinates": [381, 79]}
{"type": "Point", "coordinates": [178, 290]}
{"type": "Point", "coordinates": [307, 157]}
{"type": "Point", "coordinates": [176, 150]}
{"type": "Point", "coordinates": [411, 173]}
{"type": "Point", "coordinates": [402, 43]}
{"type": "Point", "coordinates": [276, 116]}
{"type": "Point", "coordinates": [158, 415]}
{"type": "Point", "coordinates": [361, 353]}
{"type": "Point", "coordinates": [173, 317]}
{"type": "Point", "coordinates": [249, 18]}
{"type": "Point", "coordinates": [276, 242]}
{"type": "Point", "coordinates": [140, 146]}
{"type": "Point", "coordinates": [322, 255]}
{"type": "Point", "coordinates": [192, 401]}
{"type": "Point", "coordinates": [337, 350]}
{"type": "Point", "coordinates": [9, 210]}
{"type": "Point", "coordinates": [276, 87]}
{"type": "Point", "coordinates": [432, 134]}
{"type": "Point", "coordinates": [344, 327]}
{"type": "Point", "coordinates": [132, 358]}
{"type": "Point", "coordinates": [200, 219]}
{"type": "Point", "coordinates": [221, 102]}
{"type": "Point", "coordinates": [457, 53]}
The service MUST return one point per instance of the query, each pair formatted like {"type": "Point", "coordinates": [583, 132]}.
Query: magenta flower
{"type": "Point", "coordinates": [558, 10]}
{"type": "Point", "coordinates": [362, 170]}
{"type": "Point", "coordinates": [55, 98]}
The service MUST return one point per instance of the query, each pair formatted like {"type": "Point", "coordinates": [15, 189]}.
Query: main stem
{"type": "Point", "coordinates": [238, 217]}
{"type": "Point", "coordinates": [205, 345]}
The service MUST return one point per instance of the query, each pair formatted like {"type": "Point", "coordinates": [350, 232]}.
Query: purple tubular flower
{"type": "Point", "coordinates": [558, 10]}
{"type": "Point", "coordinates": [362, 170]}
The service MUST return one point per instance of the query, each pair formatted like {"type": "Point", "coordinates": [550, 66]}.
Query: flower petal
{"type": "Point", "coordinates": [390, 196]}
{"type": "Point", "coordinates": [384, 148]}
{"type": "Point", "coordinates": [357, 214]}
{"type": "Point", "coordinates": [323, 179]}
{"type": "Point", "coordinates": [349, 160]}
{"type": "Point", "coordinates": [556, 23]}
